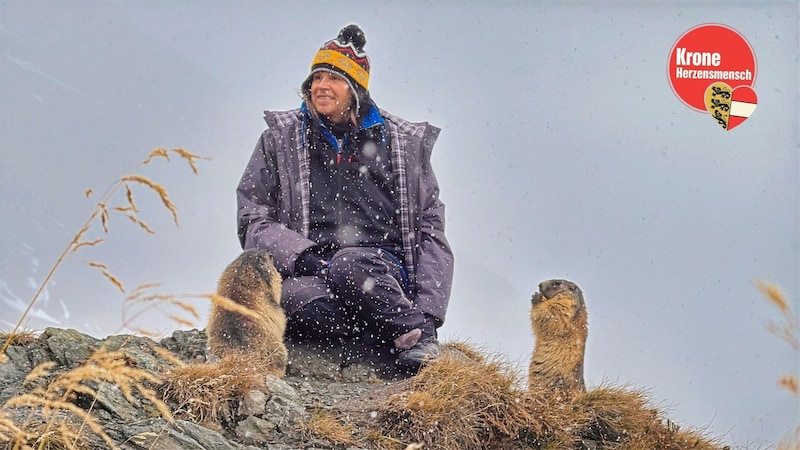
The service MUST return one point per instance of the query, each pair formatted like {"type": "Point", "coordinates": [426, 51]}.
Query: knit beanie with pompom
{"type": "Point", "coordinates": [345, 56]}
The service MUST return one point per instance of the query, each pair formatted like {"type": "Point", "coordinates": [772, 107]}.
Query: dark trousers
{"type": "Point", "coordinates": [361, 295]}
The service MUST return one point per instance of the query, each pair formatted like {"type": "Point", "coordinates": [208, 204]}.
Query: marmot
{"type": "Point", "coordinates": [252, 281]}
{"type": "Point", "coordinates": [559, 323]}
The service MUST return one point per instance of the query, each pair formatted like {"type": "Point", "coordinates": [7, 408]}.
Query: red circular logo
{"type": "Point", "coordinates": [708, 54]}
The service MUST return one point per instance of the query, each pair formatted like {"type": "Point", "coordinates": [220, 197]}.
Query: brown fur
{"type": "Point", "coordinates": [559, 323]}
{"type": "Point", "coordinates": [251, 280]}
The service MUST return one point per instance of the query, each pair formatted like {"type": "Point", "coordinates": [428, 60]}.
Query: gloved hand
{"type": "Point", "coordinates": [310, 263]}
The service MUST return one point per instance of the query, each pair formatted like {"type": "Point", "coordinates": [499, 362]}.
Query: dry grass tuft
{"type": "Point", "coordinates": [611, 415]}
{"type": "Point", "coordinates": [38, 435]}
{"type": "Point", "coordinates": [466, 349]}
{"type": "Point", "coordinates": [56, 417]}
{"type": "Point", "coordinates": [325, 425]}
{"type": "Point", "coordinates": [19, 337]}
{"type": "Point", "coordinates": [458, 403]}
{"type": "Point", "coordinates": [203, 391]}
{"type": "Point", "coordinates": [466, 404]}
{"type": "Point", "coordinates": [379, 441]}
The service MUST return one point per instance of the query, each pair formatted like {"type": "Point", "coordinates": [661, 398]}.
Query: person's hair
{"type": "Point", "coordinates": [353, 113]}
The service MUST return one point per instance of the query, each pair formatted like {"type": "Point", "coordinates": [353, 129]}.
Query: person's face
{"type": "Point", "coordinates": [330, 95]}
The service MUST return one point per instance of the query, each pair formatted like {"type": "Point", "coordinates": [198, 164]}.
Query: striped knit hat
{"type": "Point", "coordinates": [344, 55]}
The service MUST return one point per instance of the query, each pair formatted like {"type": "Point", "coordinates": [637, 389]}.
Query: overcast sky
{"type": "Point", "coordinates": [564, 153]}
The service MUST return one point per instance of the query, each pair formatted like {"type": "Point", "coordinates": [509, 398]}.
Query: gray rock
{"type": "Point", "coordinates": [159, 434]}
{"type": "Point", "coordinates": [205, 438]}
{"type": "Point", "coordinates": [190, 345]}
{"type": "Point", "coordinates": [255, 430]}
{"type": "Point", "coordinates": [254, 403]}
{"type": "Point", "coordinates": [141, 350]}
{"type": "Point", "coordinates": [11, 377]}
{"type": "Point", "coordinates": [69, 347]}
{"type": "Point", "coordinates": [110, 398]}
{"type": "Point", "coordinates": [285, 405]}
{"type": "Point", "coordinates": [18, 356]}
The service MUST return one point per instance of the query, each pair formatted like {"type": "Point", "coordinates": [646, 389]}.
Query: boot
{"type": "Point", "coordinates": [425, 350]}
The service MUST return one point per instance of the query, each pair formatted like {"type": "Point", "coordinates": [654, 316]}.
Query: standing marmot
{"type": "Point", "coordinates": [253, 282]}
{"type": "Point", "coordinates": [559, 322]}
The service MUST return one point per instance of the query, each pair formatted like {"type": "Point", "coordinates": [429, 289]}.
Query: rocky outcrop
{"type": "Point", "coordinates": [67, 390]}
{"type": "Point", "coordinates": [272, 417]}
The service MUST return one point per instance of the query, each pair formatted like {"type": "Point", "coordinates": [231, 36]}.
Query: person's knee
{"type": "Point", "coordinates": [324, 317]}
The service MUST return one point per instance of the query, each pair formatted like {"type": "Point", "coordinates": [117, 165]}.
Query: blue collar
{"type": "Point", "coordinates": [371, 119]}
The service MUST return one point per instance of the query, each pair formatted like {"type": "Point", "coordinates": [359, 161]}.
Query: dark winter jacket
{"type": "Point", "coordinates": [353, 201]}
{"type": "Point", "coordinates": [274, 214]}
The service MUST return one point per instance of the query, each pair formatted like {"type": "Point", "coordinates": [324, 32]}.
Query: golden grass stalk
{"type": "Point", "coordinates": [53, 415]}
{"type": "Point", "coordinates": [789, 332]}
{"type": "Point", "coordinates": [157, 188]}
{"type": "Point", "coordinates": [226, 303]}
{"type": "Point", "coordinates": [129, 197]}
{"type": "Point", "coordinates": [82, 244]}
{"type": "Point", "coordinates": [773, 293]}
{"type": "Point", "coordinates": [101, 213]}
{"type": "Point", "coordinates": [40, 371]}
{"type": "Point", "coordinates": [142, 300]}
{"type": "Point", "coordinates": [159, 152]}
{"type": "Point", "coordinates": [10, 431]}
{"type": "Point", "coordinates": [789, 382]}
{"type": "Point", "coordinates": [141, 223]}
{"type": "Point", "coordinates": [791, 443]}
{"type": "Point", "coordinates": [183, 153]}
{"type": "Point", "coordinates": [104, 216]}
{"type": "Point", "coordinates": [104, 270]}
